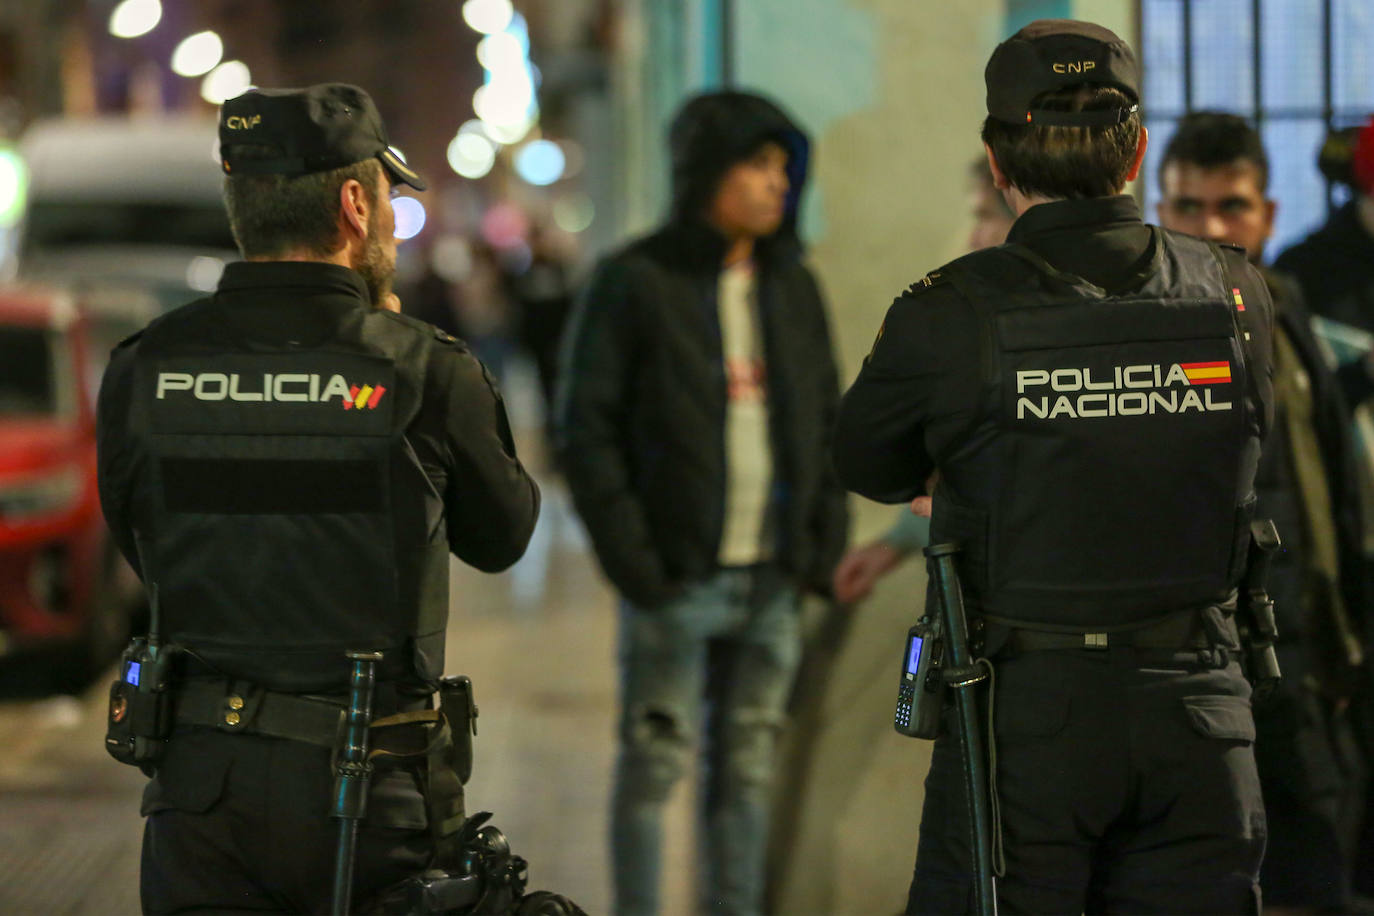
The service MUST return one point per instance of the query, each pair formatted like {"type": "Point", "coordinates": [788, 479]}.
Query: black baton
{"type": "Point", "coordinates": [963, 675]}
{"type": "Point", "coordinates": [352, 774]}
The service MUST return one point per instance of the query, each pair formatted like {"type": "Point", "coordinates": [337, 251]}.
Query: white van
{"type": "Point", "coordinates": [125, 202]}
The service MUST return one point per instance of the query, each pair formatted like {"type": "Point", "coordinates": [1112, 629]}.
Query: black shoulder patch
{"type": "Point", "coordinates": [445, 337]}
{"type": "Point", "coordinates": [1236, 248]}
{"type": "Point", "coordinates": [934, 278]}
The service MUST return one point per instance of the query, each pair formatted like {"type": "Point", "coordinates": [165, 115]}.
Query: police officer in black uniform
{"type": "Point", "coordinates": [1093, 395]}
{"type": "Point", "coordinates": [288, 464]}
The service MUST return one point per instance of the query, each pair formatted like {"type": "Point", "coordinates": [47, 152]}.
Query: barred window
{"type": "Point", "coordinates": [1296, 68]}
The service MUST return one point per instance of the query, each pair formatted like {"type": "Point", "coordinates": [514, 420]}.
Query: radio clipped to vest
{"type": "Point", "coordinates": [921, 689]}
{"type": "Point", "coordinates": [139, 717]}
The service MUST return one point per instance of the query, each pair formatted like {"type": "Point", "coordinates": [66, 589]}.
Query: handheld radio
{"type": "Point", "coordinates": [921, 690]}
{"type": "Point", "coordinates": [139, 715]}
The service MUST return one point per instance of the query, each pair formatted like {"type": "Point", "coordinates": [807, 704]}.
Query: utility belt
{"type": "Point", "coordinates": [1209, 632]}
{"type": "Point", "coordinates": [437, 743]}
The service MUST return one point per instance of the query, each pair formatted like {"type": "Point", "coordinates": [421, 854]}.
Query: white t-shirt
{"type": "Point", "coordinates": [748, 448]}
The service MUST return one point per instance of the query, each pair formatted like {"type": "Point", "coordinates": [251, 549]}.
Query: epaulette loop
{"type": "Point", "coordinates": [934, 278]}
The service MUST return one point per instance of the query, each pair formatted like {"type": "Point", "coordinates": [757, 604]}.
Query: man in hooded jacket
{"type": "Point", "coordinates": [696, 403]}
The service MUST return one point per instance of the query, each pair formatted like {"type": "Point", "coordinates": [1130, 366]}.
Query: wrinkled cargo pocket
{"type": "Point", "coordinates": [1227, 718]}
{"type": "Point", "coordinates": [189, 778]}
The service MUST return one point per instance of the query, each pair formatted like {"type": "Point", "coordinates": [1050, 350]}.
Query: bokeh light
{"type": "Point", "coordinates": [203, 273]}
{"type": "Point", "coordinates": [471, 155]}
{"type": "Point", "coordinates": [14, 187]}
{"type": "Point", "coordinates": [540, 162]}
{"type": "Point", "coordinates": [133, 18]}
{"type": "Point", "coordinates": [500, 51]}
{"type": "Point", "coordinates": [410, 217]}
{"type": "Point", "coordinates": [226, 81]}
{"type": "Point", "coordinates": [505, 225]}
{"type": "Point", "coordinates": [197, 54]}
{"type": "Point", "coordinates": [574, 213]}
{"type": "Point", "coordinates": [507, 134]}
{"type": "Point", "coordinates": [505, 101]}
{"type": "Point", "coordinates": [487, 16]}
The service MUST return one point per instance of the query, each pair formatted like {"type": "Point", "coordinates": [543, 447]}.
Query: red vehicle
{"type": "Point", "coordinates": [63, 584]}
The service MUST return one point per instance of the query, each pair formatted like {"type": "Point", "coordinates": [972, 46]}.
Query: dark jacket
{"type": "Point", "coordinates": [1080, 497]}
{"type": "Point", "coordinates": [1334, 266]}
{"type": "Point", "coordinates": [1334, 269]}
{"type": "Point", "coordinates": [278, 524]}
{"type": "Point", "coordinates": [1281, 498]}
{"type": "Point", "coordinates": [642, 400]}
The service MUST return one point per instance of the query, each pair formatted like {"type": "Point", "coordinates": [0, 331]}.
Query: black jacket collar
{"type": "Point", "coordinates": [1091, 213]}
{"type": "Point", "coordinates": [250, 277]}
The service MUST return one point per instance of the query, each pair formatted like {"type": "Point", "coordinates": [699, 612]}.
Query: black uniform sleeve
{"type": "Point", "coordinates": [923, 363]}
{"type": "Point", "coordinates": [492, 501]}
{"type": "Point", "coordinates": [116, 458]}
{"type": "Point", "coordinates": [830, 512]}
{"type": "Point", "coordinates": [594, 393]}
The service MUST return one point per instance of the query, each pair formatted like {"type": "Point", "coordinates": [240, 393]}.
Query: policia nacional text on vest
{"type": "Point", "coordinates": [1065, 515]}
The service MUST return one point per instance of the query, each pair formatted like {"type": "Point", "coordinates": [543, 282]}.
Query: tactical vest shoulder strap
{"type": "Point", "coordinates": [1048, 270]}
{"type": "Point", "coordinates": [1242, 336]}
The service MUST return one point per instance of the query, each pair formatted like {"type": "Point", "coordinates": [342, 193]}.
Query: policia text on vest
{"type": "Point", "coordinates": [1126, 391]}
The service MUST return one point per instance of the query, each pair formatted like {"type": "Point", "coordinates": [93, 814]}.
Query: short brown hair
{"type": "Point", "coordinates": [1067, 162]}
{"type": "Point", "coordinates": [274, 214]}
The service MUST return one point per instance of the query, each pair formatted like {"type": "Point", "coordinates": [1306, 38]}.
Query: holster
{"type": "Point", "coordinates": [443, 738]}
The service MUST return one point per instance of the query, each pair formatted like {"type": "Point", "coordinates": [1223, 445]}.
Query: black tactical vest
{"type": "Point", "coordinates": [284, 517]}
{"type": "Point", "coordinates": [1109, 480]}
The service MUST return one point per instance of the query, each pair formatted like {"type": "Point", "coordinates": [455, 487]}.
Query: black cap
{"type": "Point", "coordinates": [314, 129]}
{"type": "Point", "coordinates": [1050, 54]}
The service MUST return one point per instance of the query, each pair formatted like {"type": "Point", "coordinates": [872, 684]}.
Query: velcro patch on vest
{"type": "Point", "coordinates": [266, 487]}
{"type": "Point", "coordinates": [1152, 361]}
{"type": "Point", "coordinates": [283, 394]}
{"type": "Point", "coordinates": [1086, 392]}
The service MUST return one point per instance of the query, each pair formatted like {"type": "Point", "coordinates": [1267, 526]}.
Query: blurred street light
{"type": "Point", "coordinates": [471, 155]}
{"type": "Point", "coordinates": [226, 81]}
{"type": "Point", "coordinates": [501, 51]}
{"type": "Point", "coordinates": [14, 185]}
{"type": "Point", "coordinates": [473, 126]}
{"type": "Point", "coordinates": [197, 54]}
{"type": "Point", "coordinates": [574, 212]}
{"type": "Point", "coordinates": [507, 134]}
{"type": "Point", "coordinates": [487, 16]}
{"type": "Point", "coordinates": [203, 273]}
{"type": "Point", "coordinates": [410, 217]}
{"type": "Point", "coordinates": [505, 101]}
{"type": "Point", "coordinates": [133, 18]}
{"type": "Point", "coordinates": [540, 162]}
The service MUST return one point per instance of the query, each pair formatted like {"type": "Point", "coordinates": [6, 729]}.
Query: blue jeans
{"type": "Point", "coordinates": [730, 643]}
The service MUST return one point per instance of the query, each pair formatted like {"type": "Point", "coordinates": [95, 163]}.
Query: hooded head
{"type": "Point", "coordinates": [716, 130]}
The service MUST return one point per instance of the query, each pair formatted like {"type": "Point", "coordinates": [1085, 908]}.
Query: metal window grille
{"type": "Point", "coordinates": [1296, 68]}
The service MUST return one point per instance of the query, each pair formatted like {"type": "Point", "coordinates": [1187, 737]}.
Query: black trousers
{"type": "Point", "coordinates": [240, 823]}
{"type": "Point", "coordinates": [1124, 789]}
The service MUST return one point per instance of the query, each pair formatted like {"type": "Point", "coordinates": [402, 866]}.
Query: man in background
{"type": "Point", "coordinates": [695, 406]}
{"type": "Point", "coordinates": [1213, 179]}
